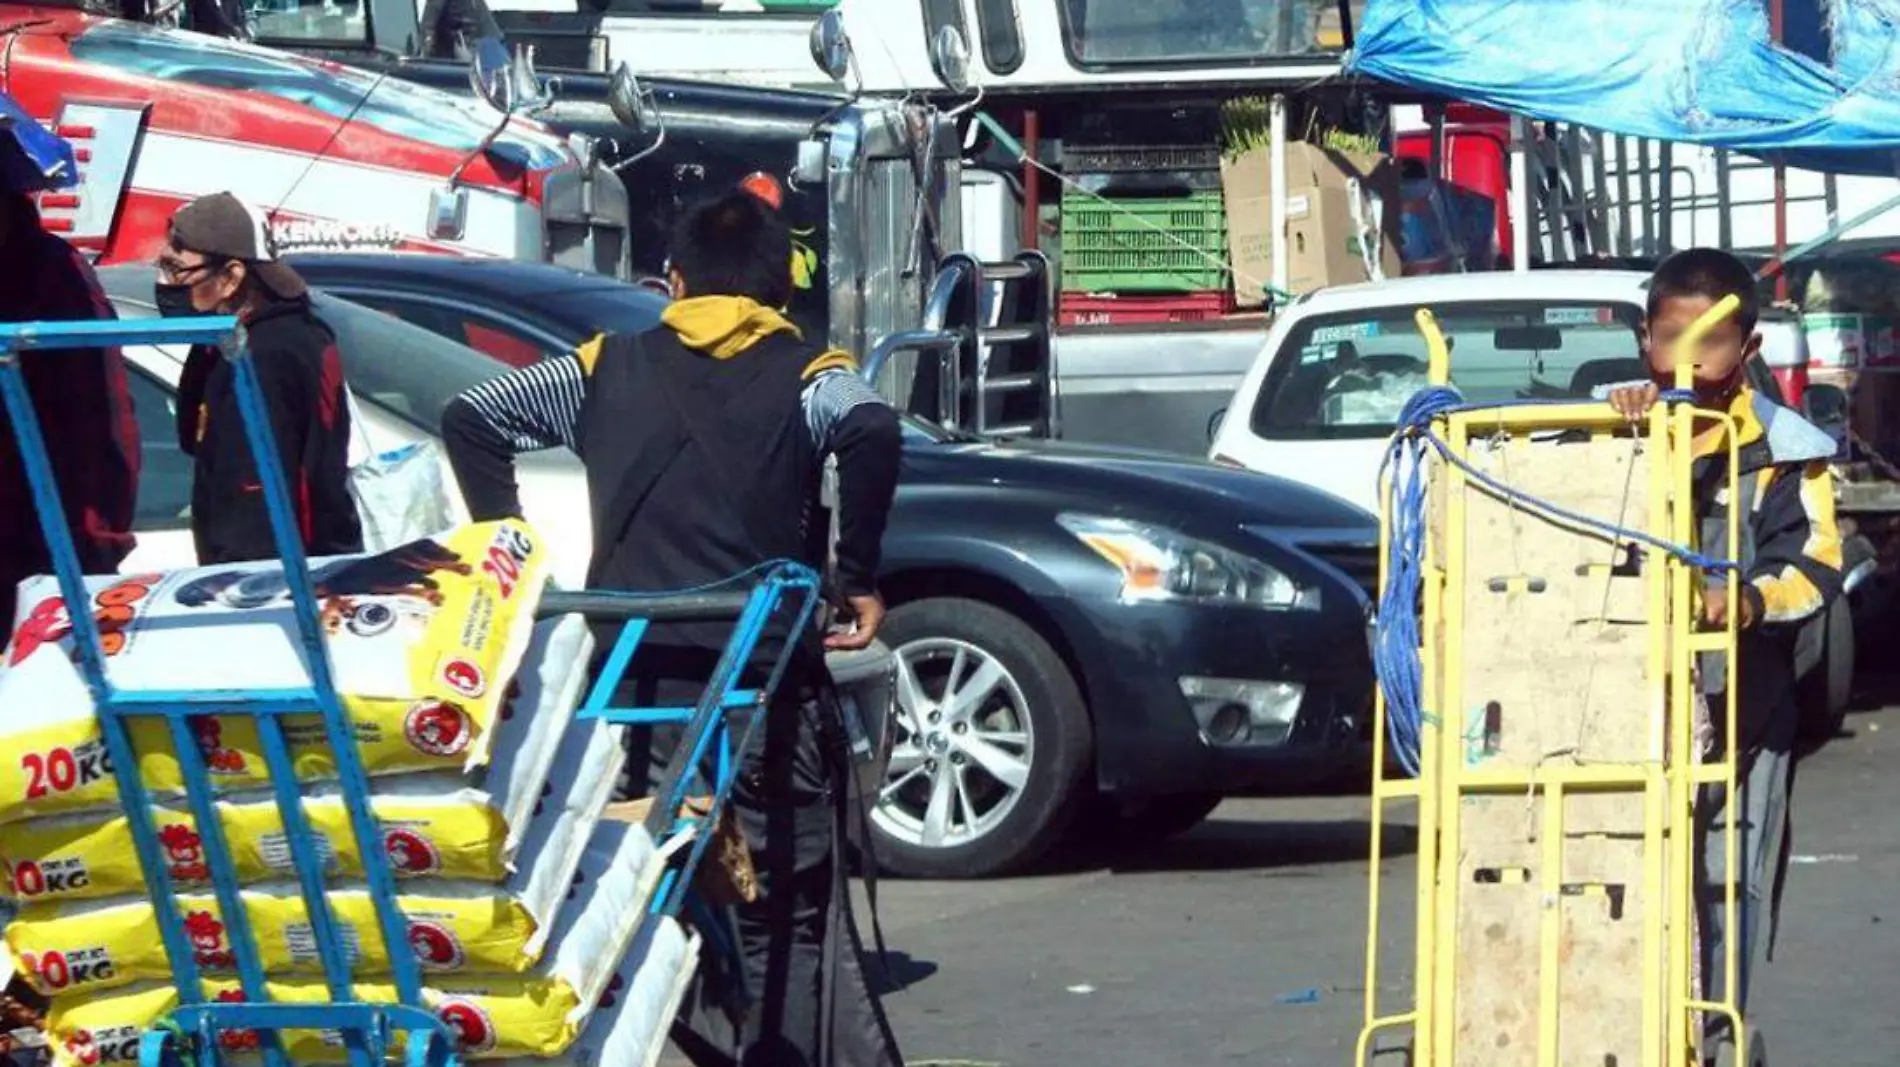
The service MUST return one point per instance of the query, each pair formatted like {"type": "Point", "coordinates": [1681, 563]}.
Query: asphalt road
{"type": "Point", "coordinates": [1243, 942]}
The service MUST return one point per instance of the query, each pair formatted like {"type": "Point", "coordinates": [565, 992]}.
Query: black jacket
{"type": "Point", "coordinates": [301, 373]}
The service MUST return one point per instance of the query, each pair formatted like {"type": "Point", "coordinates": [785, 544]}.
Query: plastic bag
{"type": "Point", "coordinates": [400, 496]}
{"type": "Point", "coordinates": [421, 641]}
{"type": "Point", "coordinates": [433, 824]}
{"type": "Point", "coordinates": [539, 1014]}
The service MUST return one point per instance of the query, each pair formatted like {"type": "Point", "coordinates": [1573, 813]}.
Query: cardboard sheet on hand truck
{"type": "Point", "coordinates": [422, 641]}
{"type": "Point", "coordinates": [1553, 662]}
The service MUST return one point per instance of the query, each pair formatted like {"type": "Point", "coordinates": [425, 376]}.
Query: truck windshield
{"type": "Point", "coordinates": [1347, 375]}
{"type": "Point", "coordinates": [1190, 32]}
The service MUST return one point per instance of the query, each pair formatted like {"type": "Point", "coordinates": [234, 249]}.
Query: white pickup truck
{"type": "Point", "coordinates": [1320, 402]}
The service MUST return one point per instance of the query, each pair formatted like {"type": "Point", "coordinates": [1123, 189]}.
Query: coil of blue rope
{"type": "Point", "coordinates": [1396, 638]}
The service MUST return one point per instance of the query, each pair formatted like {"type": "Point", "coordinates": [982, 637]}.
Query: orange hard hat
{"type": "Point", "coordinates": [765, 187]}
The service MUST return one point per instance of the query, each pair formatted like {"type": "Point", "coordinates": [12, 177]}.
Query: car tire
{"type": "Point", "coordinates": [1824, 693]}
{"type": "Point", "coordinates": [1055, 750]}
{"type": "Point", "coordinates": [1151, 819]}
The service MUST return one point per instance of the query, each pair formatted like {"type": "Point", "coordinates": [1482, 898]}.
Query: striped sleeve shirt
{"type": "Point", "coordinates": [539, 407]}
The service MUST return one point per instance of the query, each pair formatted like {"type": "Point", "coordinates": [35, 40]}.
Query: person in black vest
{"type": "Point", "coordinates": [703, 442]}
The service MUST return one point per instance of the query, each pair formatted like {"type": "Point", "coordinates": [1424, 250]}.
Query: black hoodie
{"type": "Point", "coordinates": [301, 373]}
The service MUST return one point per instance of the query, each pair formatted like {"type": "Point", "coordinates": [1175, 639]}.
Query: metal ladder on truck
{"type": "Point", "coordinates": [777, 595]}
{"type": "Point", "coordinates": [1598, 195]}
{"type": "Point", "coordinates": [1546, 712]}
{"type": "Point", "coordinates": [992, 379]}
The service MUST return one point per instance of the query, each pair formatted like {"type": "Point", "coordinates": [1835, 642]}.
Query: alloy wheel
{"type": "Point", "coordinates": [963, 748]}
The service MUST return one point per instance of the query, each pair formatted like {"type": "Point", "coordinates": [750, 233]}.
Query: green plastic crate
{"type": "Point", "coordinates": [1108, 249]}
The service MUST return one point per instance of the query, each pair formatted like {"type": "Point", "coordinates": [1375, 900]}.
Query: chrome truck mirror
{"type": "Point", "coordinates": [830, 46]}
{"type": "Point", "coordinates": [950, 59]}
{"type": "Point", "coordinates": [634, 107]}
{"type": "Point", "coordinates": [628, 100]}
{"type": "Point", "coordinates": [505, 84]}
{"type": "Point", "coordinates": [488, 74]}
{"type": "Point", "coordinates": [530, 94]}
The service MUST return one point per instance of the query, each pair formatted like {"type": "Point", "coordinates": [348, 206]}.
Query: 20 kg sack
{"type": "Point", "coordinates": [453, 928]}
{"type": "Point", "coordinates": [422, 641]}
{"type": "Point", "coordinates": [433, 825]}
{"type": "Point", "coordinates": [631, 1020]}
{"type": "Point", "coordinates": [534, 1015]}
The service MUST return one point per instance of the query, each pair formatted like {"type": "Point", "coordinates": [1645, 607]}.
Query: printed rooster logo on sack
{"type": "Point", "coordinates": [410, 853]}
{"type": "Point", "coordinates": [474, 1032]}
{"type": "Point", "coordinates": [184, 853]}
{"type": "Point", "coordinates": [208, 944]}
{"type": "Point", "coordinates": [435, 947]}
{"type": "Point", "coordinates": [209, 730]}
{"type": "Point", "coordinates": [237, 1040]}
{"type": "Point", "coordinates": [81, 1049]}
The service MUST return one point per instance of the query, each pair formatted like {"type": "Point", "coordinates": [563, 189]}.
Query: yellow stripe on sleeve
{"type": "Point", "coordinates": [588, 352]}
{"type": "Point", "coordinates": [1788, 595]}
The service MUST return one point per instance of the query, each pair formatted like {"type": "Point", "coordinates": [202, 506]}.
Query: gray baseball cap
{"type": "Point", "coordinates": [223, 225]}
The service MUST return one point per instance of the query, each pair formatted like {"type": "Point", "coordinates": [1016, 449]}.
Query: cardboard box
{"type": "Point", "coordinates": [1323, 242]}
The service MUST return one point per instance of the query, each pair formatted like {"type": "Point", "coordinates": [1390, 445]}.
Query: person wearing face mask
{"type": "Point", "coordinates": [220, 261]}
{"type": "Point", "coordinates": [81, 398]}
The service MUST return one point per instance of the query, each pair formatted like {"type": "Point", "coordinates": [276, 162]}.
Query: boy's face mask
{"type": "Point", "coordinates": [1720, 360]}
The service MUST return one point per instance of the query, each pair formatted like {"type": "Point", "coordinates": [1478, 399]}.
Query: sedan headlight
{"type": "Point", "coordinates": [1159, 564]}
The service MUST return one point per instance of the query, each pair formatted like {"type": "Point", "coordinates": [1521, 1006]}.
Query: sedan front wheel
{"type": "Point", "coordinates": [991, 742]}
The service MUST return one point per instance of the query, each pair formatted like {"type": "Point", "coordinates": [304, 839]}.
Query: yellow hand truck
{"type": "Point", "coordinates": [1544, 701]}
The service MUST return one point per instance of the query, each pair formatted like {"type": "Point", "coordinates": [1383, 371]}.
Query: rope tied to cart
{"type": "Point", "coordinates": [1396, 638]}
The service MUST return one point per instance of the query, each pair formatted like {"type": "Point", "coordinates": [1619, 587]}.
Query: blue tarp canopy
{"type": "Point", "coordinates": [32, 159]}
{"type": "Point", "coordinates": [1707, 72]}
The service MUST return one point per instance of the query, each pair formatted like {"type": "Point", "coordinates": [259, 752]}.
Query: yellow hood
{"type": "Point", "coordinates": [724, 326]}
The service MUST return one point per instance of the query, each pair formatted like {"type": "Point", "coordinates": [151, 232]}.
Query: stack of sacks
{"type": "Point", "coordinates": [487, 788]}
{"type": "Point", "coordinates": [605, 940]}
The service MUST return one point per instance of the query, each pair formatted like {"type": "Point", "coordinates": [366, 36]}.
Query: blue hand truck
{"type": "Point", "coordinates": [716, 732]}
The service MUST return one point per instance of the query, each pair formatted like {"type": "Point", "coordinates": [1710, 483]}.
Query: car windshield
{"type": "Point", "coordinates": [1347, 375]}
{"type": "Point", "coordinates": [1190, 32]}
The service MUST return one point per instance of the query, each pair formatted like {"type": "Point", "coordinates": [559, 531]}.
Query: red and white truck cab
{"type": "Point", "coordinates": [339, 157]}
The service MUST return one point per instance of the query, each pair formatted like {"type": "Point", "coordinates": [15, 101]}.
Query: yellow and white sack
{"type": "Point", "coordinates": [538, 1014]}
{"type": "Point", "coordinates": [454, 927]}
{"type": "Point", "coordinates": [437, 825]}
{"type": "Point", "coordinates": [422, 641]}
{"type": "Point", "coordinates": [631, 1020]}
